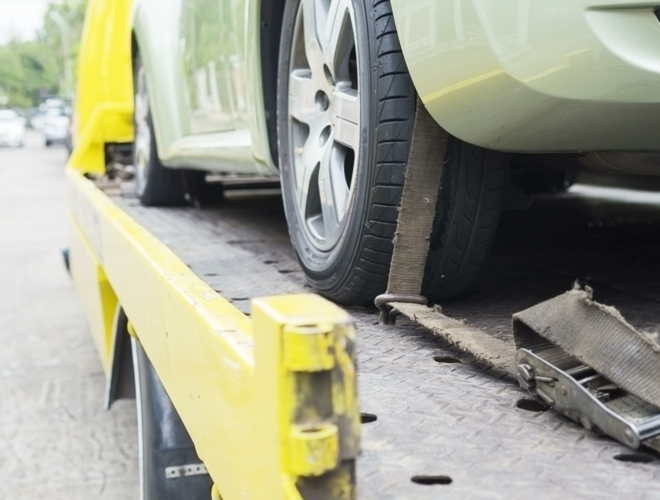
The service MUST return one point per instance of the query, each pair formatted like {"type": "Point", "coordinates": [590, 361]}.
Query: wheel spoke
{"type": "Point", "coordinates": [348, 106]}
{"type": "Point", "coordinates": [301, 96]}
{"type": "Point", "coordinates": [311, 32]}
{"type": "Point", "coordinates": [308, 159]}
{"type": "Point", "coordinates": [347, 124]}
{"type": "Point", "coordinates": [340, 189]}
{"type": "Point", "coordinates": [140, 111]}
{"type": "Point", "coordinates": [328, 208]}
{"type": "Point", "coordinates": [141, 101]}
{"type": "Point", "coordinates": [334, 36]}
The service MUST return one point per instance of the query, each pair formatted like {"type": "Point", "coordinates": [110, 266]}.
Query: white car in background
{"type": "Point", "coordinates": [56, 126]}
{"type": "Point", "coordinates": [12, 128]}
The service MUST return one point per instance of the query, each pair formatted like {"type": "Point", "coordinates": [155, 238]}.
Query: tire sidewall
{"type": "Point", "coordinates": [329, 270]}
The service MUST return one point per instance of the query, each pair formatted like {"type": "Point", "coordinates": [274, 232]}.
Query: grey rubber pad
{"type": "Point", "coordinates": [454, 419]}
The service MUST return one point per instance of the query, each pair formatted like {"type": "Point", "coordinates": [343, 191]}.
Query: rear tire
{"type": "Point", "coordinates": [156, 185]}
{"type": "Point", "coordinates": [356, 269]}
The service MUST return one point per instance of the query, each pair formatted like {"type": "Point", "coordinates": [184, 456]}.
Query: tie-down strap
{"type": "Point", "coordinates": [416, 213]}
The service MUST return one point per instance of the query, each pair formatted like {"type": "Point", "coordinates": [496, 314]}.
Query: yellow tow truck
{"type": "Point", "coordinates": [247, 387]}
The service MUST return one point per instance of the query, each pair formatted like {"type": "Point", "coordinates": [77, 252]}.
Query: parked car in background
{"type": "Point", "coordinates": [37, 116]}
{"type": "Point", "coordinates": [12, 128]}
{"type": "Point", "coordinates": [56, 126]}
{"type": "Point", "coordinates": [36, 120]}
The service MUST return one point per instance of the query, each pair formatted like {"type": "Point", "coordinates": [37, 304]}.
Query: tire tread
{"type": "Point", "coordinates": [396, 100]}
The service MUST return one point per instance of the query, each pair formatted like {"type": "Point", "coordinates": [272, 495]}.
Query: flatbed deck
{"type": "Point", "coordinates": [436, 416]}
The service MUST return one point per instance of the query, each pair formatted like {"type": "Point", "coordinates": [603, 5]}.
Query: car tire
{"type": "Point", "coordinates": [472, 194]}
{"type": "Point", "coordinates": [156, 185]}
{"type": "Point", "coordinates": [163, 442]}
{"type": "Point", "coordinates": [355, 270]}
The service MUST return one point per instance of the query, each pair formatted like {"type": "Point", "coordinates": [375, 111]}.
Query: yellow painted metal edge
{"type": "Point", "coordinates": [96, 294]}
{"type": "Point", "coordinates": [104, 97]}
{"type": "Point", "coordinates": [270, 402]}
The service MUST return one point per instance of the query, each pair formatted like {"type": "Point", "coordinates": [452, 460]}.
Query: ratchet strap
{"type": "Point", "coordinates": [581, 357]}
{"type": "Point", "coordinates": [416, 214]}
{"type": "Point", "coordinates": [586, 361]}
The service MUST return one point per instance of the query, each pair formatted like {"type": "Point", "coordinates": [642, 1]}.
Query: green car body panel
{"type": "Point", "coordinates": [512, 75]}
{"type": "Point", "coordinates": [533, 76]}
{"type": "Point", "coordinates": [203, 67]}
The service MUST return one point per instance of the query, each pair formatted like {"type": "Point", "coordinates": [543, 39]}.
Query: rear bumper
{"type": "Point", "coordinates": [530, 76]}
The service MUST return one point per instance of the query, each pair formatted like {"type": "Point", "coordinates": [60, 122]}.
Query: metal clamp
{"type": "Point", "coordinates": [389, 314]}
{"type": "Point", "coordinates": [585, 396]}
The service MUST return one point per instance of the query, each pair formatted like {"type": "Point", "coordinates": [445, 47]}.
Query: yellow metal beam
{"type": "Point", "coordinates": [104, 98]}
{"type": "Point", "coordinates": [99, 300]}
{"type": "Point", "coordinates": [270, 402]}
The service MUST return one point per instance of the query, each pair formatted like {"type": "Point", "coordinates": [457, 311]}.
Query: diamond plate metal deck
{"type": "Point", "coordinates": [436, 418]}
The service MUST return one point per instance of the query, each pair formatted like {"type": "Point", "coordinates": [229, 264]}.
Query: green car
{"type": "Point", "coordinates": [322, 93]}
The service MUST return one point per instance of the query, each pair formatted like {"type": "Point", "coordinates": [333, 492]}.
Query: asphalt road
{"type": "Point", "coordinates": [56, 440]}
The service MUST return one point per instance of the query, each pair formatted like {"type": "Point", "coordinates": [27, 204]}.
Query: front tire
{"type": "Point", "coordinates": [352, 266]}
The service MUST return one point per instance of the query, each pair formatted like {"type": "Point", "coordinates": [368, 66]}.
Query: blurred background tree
{"type": "Point", "coordinates": [34, 69]}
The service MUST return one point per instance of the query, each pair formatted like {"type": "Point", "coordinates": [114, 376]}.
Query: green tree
{"type": "Point", "coordinates": [62, 29]}
{"type": "Point", "coordinates": [45, 66]}
{"type": "Point", "coordinates": [27, 70]}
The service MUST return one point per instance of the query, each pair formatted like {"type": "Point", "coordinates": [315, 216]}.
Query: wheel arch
{"type": "Point", "coordinates": [270, 30]}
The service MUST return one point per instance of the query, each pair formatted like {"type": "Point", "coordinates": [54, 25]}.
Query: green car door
{"type": "Point", "coordinates": [200, 61]}
{"type": "Point", "coordinates": [204, 48]}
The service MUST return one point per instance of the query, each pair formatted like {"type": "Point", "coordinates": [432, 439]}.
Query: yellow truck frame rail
{"type": "Point", "coordinates": [269, 400]}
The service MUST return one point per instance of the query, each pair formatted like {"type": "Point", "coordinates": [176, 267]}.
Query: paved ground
{"type": "Point", "coordinates": [56, 441]}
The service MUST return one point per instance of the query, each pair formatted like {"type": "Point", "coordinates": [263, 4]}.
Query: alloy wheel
{"type": "Point", "coordinates": [142, 145]}
{"type": "Point", "coordinates": [324, 117]}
